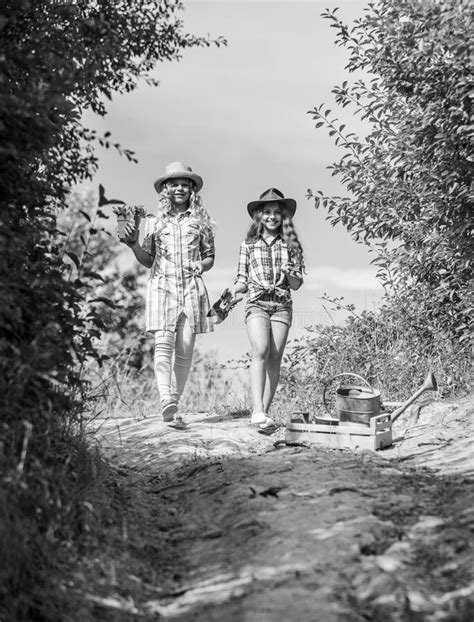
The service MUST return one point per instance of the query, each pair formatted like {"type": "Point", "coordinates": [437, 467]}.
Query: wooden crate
{"type": "Point", "coordinates": [339, 434]}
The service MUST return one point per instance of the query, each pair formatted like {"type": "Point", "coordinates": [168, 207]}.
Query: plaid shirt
{"type": "Point", "coordinates": [259, 269]}
{"type": "Point", "coordinates": [173, 288]}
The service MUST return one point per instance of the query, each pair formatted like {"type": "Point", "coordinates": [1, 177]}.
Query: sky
{"type": "Point", "coordinates": [238, 116]}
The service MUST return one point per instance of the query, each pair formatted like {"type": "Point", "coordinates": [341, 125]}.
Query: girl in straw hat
{"type": "Point", "coordinates": [270, 265]}
{"type": "Point", "coordinates": [178, 247]}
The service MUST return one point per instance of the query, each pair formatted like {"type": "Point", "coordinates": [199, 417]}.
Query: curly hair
{"type": "Point", "coordinates": [287, 232]}
{"type": "Point", "coordinates": [198, 212]}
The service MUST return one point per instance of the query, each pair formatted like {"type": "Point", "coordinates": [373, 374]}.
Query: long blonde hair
{"type": "Point", "coordinates": [198, 212]}
{"type": "Point", "coordinates": [287, 232]}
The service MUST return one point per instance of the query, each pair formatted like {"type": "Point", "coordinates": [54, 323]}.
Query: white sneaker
{"type": "Point", "coordinates": [258, 418]}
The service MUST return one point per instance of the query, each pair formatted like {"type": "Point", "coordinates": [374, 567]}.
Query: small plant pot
{"type": "Point", "coordinates": [121, 224]}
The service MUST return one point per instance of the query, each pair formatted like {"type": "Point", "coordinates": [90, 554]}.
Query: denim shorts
{"type": "Point", "coordinates": [270, 310]}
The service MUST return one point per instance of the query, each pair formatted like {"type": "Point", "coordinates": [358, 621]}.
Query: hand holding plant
{"type": "Point", "coordinates": [128, 218]}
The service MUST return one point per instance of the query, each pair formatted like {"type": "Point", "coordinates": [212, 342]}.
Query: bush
{"type": "Point", "coordinates": [380, 346]}
{"type": "Point", "coordinates": [58, 59]}
{"type": "Point", "coordinates": [408, 181]}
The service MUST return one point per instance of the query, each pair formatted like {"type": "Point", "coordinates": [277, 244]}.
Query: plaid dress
{"type": "Point", "coordinates": [175, 242]}
{"type": "Point", "coordinates": [260, 269]}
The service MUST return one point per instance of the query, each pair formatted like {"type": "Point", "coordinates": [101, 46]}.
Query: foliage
{"type": "Point", "coordinates": [409, 179]}
{"type": "Point", "coordinates": [125, 386]}
{"type": "Point", "coordinates": [116, 300]}
{"type": "Point", "coordinates": [58, 59]}
{"type": "Point", "coordinates": [380, 346]}
{"type": "Point", "coordinates": [63, 58]}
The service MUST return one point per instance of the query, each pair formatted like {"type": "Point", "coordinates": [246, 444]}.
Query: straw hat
{"type": "Point", "coordinates": [272, 194]}
{"type": "Point", "coordinates": [176, 170]}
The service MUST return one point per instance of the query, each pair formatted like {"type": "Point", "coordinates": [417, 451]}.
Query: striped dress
{"type": "Point", "coordinates": [175, 242]}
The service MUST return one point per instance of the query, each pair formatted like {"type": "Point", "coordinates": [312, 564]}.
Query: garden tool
{"type": "Point", "coordinates": [223, 306]}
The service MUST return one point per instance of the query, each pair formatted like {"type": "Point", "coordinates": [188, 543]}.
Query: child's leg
{"type": "Point", "coordinates": [184, 346]}
{"type": "Point", "coordinates": [278, 337]}
{"type": "Point", "coordinates": [258, 331]}
{"type": "Point", "coordinates": [164, 347]}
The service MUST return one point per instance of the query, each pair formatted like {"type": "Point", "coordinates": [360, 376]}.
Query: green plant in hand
{"type": "Point", "coordinates": [129, 212]}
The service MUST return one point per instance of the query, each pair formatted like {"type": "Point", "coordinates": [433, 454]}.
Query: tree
{"type": "Point", "coordinates": [58, 60]}
{"type": "Point", "coordinates": [409, 179]}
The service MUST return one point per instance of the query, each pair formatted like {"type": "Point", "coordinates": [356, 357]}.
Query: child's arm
{"type": "Point", "coordinates": [207, 252]}
{"type": "Point", "coordinates": [293, 269]}
{"type": "Point", "coordinates": [204, 265]}
{"type": "Point", "coordinates": [293, 273]}
{"type": "Point", "coordinates": [142, 256]}
{"type": "Point", "coordinates": [239, 288]}
{"type": "Point", "coordinates": [132, 242]}
{"type": "Point", "coordinates": [240, 283]}
{"type": "Point", "coordinates": [294, 282]}
{"type": "Point", "coordinates": [207, 263]}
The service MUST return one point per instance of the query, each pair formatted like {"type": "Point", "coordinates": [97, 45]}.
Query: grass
{"type": "Point", "coordinates": [393, 359]}
{"type": "Point", "coordinates": [42, 514]}
{"type": "Point", "coordinates": [124, 391]}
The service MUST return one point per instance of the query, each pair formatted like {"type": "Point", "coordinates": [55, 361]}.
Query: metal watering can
{"type": "Point", "coordinates": [359, 403]}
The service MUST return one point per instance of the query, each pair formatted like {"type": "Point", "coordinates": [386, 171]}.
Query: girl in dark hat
{"type": "Point", "coordinates": [270, 265]}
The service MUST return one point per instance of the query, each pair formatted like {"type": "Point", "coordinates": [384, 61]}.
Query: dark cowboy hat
{"type": "Point", "coordinates": [272, 194]}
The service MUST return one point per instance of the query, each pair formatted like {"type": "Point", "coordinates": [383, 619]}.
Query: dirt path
{"type": "Point", "coordinates": [219, 523]}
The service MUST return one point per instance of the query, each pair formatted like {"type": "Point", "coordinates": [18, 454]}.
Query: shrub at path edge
{"type": "Point", "coordinates": [58, 60]}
